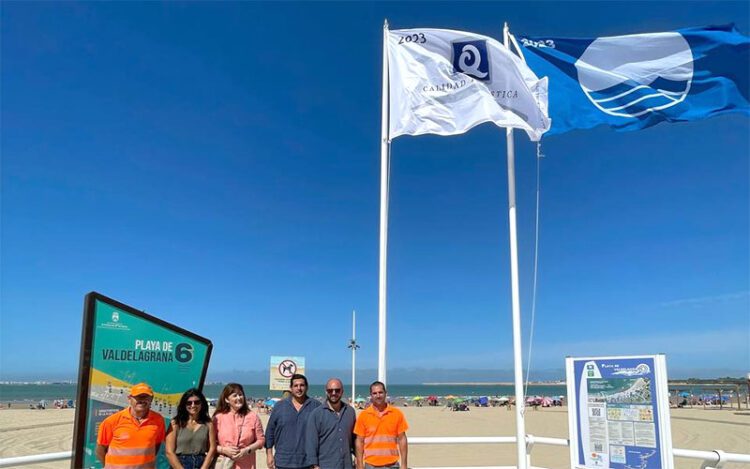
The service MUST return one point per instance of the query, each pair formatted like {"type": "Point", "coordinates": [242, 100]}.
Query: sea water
{"type": "Point", "coordinates": [49, 392]}
{"type": "Point", "coordinates": [66, 391]}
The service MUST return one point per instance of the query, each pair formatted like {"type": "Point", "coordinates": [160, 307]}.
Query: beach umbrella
{"type": "Point", "coordinates": [432, 398]}
{"type": "Point", "coordinates": [450, 397]}
{"type": "Point", "coordinates": [546, 401]}
{"type": "Point", "coordinates": [417, 398]}
{"type": "Point", "coordinates": [360, 399]}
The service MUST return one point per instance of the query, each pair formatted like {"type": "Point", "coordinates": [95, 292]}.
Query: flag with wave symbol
{"type": "Point", "coordinates": [636, 81]}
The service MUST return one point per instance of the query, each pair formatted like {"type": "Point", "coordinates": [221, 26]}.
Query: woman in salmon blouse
{"type": "Point", "coordinates": [238, 429]}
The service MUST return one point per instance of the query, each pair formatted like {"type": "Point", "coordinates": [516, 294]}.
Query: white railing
{"type": "Point", "coordinates": [35, 458]}
{"type": "Point", "coordinates": [711, 459]}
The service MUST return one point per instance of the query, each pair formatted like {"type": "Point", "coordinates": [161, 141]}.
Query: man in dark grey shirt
{"type": "Point", "coordinates": [329, 442]}
{"type": "Point", "coordinates": [286, 430]}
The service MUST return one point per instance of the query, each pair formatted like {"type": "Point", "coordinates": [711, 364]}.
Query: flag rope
{"type": "Point", "coordinates": [539, 156]}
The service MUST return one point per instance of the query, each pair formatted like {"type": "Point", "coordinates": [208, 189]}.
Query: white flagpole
{"type": "Point", "coordinates": [384, 170]}
{"type": "Point", "coordinates": [517, 358]}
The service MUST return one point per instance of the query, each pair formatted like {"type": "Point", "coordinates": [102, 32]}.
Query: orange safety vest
{"type": "Point", "coordinates": [380, 432]}
{"type": "Point", "coordinates": [130, 444]}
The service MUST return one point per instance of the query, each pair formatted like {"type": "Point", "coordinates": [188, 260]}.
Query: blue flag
{"type": "Point", "coordinates": [636, 81]}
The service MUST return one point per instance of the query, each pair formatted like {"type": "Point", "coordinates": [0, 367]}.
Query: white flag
{"type": "Point", "coordinates": [446, 82]}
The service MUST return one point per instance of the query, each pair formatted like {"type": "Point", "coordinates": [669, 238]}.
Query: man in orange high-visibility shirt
{"type": "Point", "coordinates": [131, 438]}
{"type": "Point", "coordinates": [381, 433]}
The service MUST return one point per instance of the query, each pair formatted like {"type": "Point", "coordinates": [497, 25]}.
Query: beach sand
{"type": "Point", "coordinates": [25, 432]}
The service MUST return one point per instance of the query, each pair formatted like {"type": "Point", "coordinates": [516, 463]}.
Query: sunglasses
{"type": "Point", "coordinates": [142, 398]}
{"type": "Point", "coordinates": [334, 390]}
{"type": "Point", "coordinates": [193, 403]}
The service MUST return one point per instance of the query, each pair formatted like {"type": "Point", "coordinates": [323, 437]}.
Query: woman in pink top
{"type": "Point", "coordinates": [239, 431]}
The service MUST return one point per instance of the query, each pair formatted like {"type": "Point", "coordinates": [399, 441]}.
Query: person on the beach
{"type": "Point", "coordinates": [329, 440]}
{"type": "Point", "coordinates": [239, 430]}
{"type": "Point", "coordinates": [132, 436]}
{"type": "Point", "coordinates": [287, 427]}
{"type": "Point", "coordinates": [381, 433]}
{"type": "Point", "coordinates": [191, 443]}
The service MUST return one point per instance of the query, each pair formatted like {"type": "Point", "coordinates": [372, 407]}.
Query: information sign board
{"type": "Point", "coordinates": [120, 347]}
{"type": "Point", "coordinates": [618, 412]}
{"type": "Point", "coordinates": [282, 368]}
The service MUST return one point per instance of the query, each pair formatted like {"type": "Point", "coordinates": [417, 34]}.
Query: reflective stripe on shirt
{"type": "Point", "coordinates": [149, 465]}
{"type": "Point", "coordinates": [380, 439]}
{"type": "Point", "coordinates": [381, 452]}
{"type": "Point", "coordinates": [150, 451]}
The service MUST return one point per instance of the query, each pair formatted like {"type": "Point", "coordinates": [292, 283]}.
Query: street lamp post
{"type": "Point", "coordinates": [353, 345]}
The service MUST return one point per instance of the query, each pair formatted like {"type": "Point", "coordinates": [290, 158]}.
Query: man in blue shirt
{"type": "Point", "coordinates": [285, 432]}
{"type": "Point", "coordinates": [329, 441]}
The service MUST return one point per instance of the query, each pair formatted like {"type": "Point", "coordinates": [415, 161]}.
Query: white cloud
{"type": "Point", "coordinates": [702, 301]}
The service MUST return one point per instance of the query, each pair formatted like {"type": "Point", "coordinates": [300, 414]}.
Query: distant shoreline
{"type": "Point", "coordinates": [499, 383]}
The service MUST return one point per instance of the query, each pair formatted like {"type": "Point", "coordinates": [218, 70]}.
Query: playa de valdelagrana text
{"type": "Point", "coordinates": [151, 351]}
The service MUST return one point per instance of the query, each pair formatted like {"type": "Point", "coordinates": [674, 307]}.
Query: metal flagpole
{"type": "Point", "coordinates": [353, 345]}
{"type": "Point", "coordinates": [384, 174]}
{"type": "Point", "coordinates": [517, 359]}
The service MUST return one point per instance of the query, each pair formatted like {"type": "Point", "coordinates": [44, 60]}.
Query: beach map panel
{"type": "Point", "coordinates": [617, 417]}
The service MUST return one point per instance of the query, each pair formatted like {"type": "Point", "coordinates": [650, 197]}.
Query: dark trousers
{"type": "Point", "coordinates": [191, 461]}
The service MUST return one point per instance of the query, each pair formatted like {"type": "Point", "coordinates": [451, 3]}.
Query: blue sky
{"type": "Point", "coordinates": [217, 164]}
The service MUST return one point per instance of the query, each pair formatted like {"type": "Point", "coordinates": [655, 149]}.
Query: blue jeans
{"type": "Point", "coordinates": [191, 461]}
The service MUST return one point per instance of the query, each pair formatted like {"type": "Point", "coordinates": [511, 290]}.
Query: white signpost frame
{"type": "Point", "coordinates": [619, 417]}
